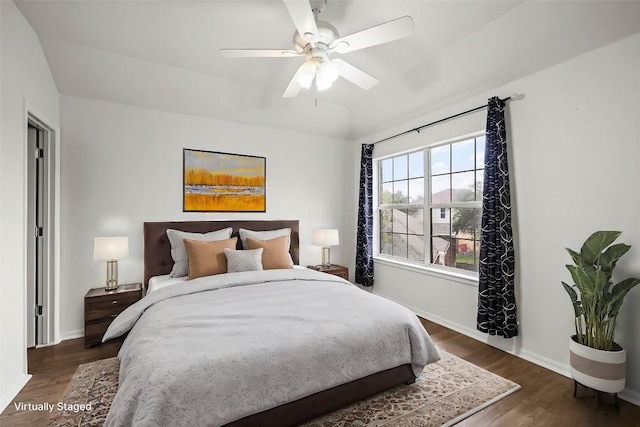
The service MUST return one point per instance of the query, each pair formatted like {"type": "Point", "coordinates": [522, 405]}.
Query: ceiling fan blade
{"type": "Point", "coordinates": [259, 53]}
{"type": "Point", "coordinates": [383, 33]}
{"type": "Point", "coordinates": [356, 75]}
{"type": "Point", "coordinates": [302, 16]}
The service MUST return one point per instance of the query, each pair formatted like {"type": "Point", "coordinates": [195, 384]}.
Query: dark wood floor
{"type": "Point", "coordinates": [545, 398]}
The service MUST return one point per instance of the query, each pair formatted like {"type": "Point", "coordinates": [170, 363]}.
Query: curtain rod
{"type": "Point", "coordinates": [514, 97]}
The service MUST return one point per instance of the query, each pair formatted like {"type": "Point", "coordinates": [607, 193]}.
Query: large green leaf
{"type": "Point", "coordinates": [596, 243]}
{"type": "Point", "coordinates": [619, 291]}
{"type": "Point", "coordinates": [583, 281]}
{"type": "Point", "coordinates": [577, 305]}
{"type": "Point", "coordinates": [613, 253]}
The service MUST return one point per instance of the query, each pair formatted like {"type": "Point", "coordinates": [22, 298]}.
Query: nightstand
{"type": "Point", "coordinates": [336, 270]}
{"type": "Point", "coordinates": [102, 306]}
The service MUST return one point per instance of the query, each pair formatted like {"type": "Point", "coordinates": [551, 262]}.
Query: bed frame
{"type": "Point", "coordinates": [158, 261]}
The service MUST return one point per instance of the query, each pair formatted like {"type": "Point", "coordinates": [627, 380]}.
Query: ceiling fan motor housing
{"type": "Point", "coordinates": [327, 33]}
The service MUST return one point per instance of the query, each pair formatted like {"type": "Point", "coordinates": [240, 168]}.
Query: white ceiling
{"type": "Point", "coordinates": [164, 55]}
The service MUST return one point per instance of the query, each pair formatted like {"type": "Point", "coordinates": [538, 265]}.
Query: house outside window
{"type": "Point", "coordinates": [451, 176]}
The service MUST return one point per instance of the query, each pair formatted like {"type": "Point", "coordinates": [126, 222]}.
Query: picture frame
{"type": "Point", "coordinates": [215, 181]}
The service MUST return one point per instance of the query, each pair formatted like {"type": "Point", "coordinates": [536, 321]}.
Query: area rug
{"type": "Point", "coordinates": [445, 393]}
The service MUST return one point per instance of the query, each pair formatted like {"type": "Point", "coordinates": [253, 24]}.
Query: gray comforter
{"type": "Point", "coordinates": [219, 348]}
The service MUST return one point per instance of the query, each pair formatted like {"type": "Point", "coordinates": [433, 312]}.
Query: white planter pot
{"type": "Point", "coordinates": [598, 369]}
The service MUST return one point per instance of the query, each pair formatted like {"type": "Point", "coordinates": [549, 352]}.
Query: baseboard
{"type": "Point", "coordinates": [14, 390]}
{"type": "Point", "coordinates": [70, 335]}
{"type": "Point", "coordinates": [559, 368]}
{"type": "Point", "coordinates": [630, 396]}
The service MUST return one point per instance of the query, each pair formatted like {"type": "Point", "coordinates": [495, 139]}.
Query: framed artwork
{"type": "Point", "coordinates": [223, 182]}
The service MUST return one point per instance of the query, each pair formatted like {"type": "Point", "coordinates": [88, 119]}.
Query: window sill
{"type": "Point", "coordinates": [466, 279]}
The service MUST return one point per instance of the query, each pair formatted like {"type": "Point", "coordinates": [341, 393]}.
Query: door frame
{"type": "Point", "coordinates": [50, 333]}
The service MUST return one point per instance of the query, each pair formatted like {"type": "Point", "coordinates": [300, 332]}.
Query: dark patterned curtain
{"type": "Point", "coordinates": [364, 242]}
{"type": "Point", "coordinates": [496, 295]}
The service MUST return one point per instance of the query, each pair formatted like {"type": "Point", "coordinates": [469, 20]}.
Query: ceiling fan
{"type": "Point", "coordinates": [317, 40]}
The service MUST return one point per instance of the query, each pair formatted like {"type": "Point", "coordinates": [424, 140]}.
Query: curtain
{"type": "Point", "coordinates": [496, 295]}
{"type": "Point", "coordinates": [364, 242]}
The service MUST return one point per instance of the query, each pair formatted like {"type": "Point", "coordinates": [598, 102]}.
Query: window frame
{"type": "Point", "coordinates": [459, 274]}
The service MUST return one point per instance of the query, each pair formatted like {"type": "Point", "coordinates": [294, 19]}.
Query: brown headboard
{"type": "Point", "coordinates": [157, 250]}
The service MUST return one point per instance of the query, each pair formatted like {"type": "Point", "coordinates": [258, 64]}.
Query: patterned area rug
{"type": "Point", "coordinates": [445, 393]}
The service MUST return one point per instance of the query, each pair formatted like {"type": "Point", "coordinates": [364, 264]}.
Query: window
{"type": "Point", "coordinates": [451, 175]}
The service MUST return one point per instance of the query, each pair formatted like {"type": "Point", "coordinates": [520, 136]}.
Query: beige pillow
{"type": "Point", "coordinates": [207, 258]}
{"type": "Point", "coordinates": [275, 252]}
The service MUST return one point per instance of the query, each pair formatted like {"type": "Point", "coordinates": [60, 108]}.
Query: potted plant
{"type": "Point", "coordinates": [596, 360]}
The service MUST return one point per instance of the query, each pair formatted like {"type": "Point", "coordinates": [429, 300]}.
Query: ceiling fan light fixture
{"type": "Point", "coordinates": [306, 73]}
{"type": "Point", "coordinates": [327, 74]}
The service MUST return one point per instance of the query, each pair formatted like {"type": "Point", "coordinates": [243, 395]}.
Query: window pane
{"type": "Point", "coordinates": [466, 257]}
{"type": "Point", "coordinates": [440, 161]}
{"type": "Point", "coordinates": [400, 245]}
{"type": "Point", "coordinates": [463, 156]}
{"type": "Point", "coordinates": [385, 220]}
{"type": "Point", "coordinates": [440, 250]}
{"type": "Point", "coordinates": [400, 167]}
{"type": "Point", "coordinates": [400, 221]}
{"type": "Point", "coordinates": [416, 248]}
{"type": "Point", "coordinates": [441, 189]}
{"type": "Point", "coordinates": [401, 191]}
{"type": "Point", "coordinates": [440, 225]}
{"type": "Point", "coordinates": [416, 190]}
{"type": "Point", "coordinates": [415, 221]}
{"type": "Point", "coordinates": [464, 223]}
{"type": "Point", "coordinates": [463, 185]}
{"type": "Point", "coordinates": [386, 170]}
{"type": "Point", "coordinates": [386, 240]}
{"type": "Point", "coordinates": [416, 165]}
{"type": "Point", "coordinates": [479, 184]}
{"type": "Point", "coordinates": [480, 152]}
{"type": "Point", "coordinates": [386, 197]}
{"type": "Point", "coordinates": [478, 225]}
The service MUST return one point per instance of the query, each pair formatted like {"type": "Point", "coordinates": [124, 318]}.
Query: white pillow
{"type": "Point", "coordinates": [247, 260]}
{"type": "Point", "coordinates": [266, 235]}
{"type": "Point", "coordinates": [179, 254]}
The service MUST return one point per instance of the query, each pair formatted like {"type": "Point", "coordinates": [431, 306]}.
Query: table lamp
{"type": "Point", "coordinates": [111, 249]}
{"type": "Point", "coordinates": [325, 237]}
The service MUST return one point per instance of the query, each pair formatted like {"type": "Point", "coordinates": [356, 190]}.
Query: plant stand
{"type": "Point", "coordinates": [596, 394]}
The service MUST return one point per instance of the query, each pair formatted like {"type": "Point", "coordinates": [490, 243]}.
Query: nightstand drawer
{"type": "Point", "coordinates": [96, 330]}
{"type": "Point", "coordinates": [334, 269]}
{"type": "Point", "coordinates": [108, 307]}
{"type": "Point", "coordinates": [343, 274]}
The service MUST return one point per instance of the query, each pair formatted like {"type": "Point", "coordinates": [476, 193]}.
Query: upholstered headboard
{"type": "Point", "coordinates": [157, 250]}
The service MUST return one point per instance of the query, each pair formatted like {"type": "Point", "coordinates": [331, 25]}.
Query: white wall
{"type": "Point", "coordinates": [122, 165]}
{"type": "Point", "coordinates": [575, 159]}
{"type": "Point", "coordinates": [25, 82]}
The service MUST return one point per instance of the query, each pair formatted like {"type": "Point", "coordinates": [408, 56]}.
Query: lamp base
{"type": "Point", "coordinates": [326, 256]}
{"type": "Point", "coordinates": [112, 275]}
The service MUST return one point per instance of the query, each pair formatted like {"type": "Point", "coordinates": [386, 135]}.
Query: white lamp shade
{"type": "Point", "coordinates": [325, 237]}
{"type": "Point", "coordinates": [110, 248]}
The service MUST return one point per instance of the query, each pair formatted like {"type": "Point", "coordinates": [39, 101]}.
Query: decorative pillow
{"type": "Point", "coordinates": [178, 253]}
{"type": "Point", "coordinates": [264, 235]}
{"type": "Point", "coordinates": [207, 258]}
{"type": "Point", "coordinates": [248, 260]}
{"type": "Point", "coordinates": [275, 254]}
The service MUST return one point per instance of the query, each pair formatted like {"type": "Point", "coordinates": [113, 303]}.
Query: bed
{"type": "Point", "coordinates": [256, 348]}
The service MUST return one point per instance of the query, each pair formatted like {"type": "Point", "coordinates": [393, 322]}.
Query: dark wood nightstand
{"type": "Point", "coordinates": [102, 306]}
{"type": "Point", "coordinates": [336, 270]}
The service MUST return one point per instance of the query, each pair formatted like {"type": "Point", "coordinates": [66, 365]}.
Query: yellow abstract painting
{"type": "Point", "coordinates": [223, 182]}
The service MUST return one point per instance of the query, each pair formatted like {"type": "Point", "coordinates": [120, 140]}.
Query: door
{"type": "Point", "coordinates": [36, 267]}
